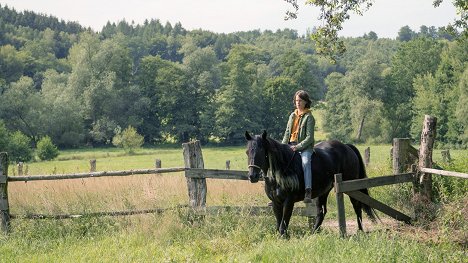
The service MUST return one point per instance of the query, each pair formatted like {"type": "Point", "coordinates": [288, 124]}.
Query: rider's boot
{"type": "Point", "coordinates": [308, 195]}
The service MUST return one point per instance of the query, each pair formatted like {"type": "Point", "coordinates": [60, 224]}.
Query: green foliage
{"type": "Point", "coordinates": [439, 94]}
{"type": "Point", "coordinates": [239, 96]}
{"type": "Point", "coordinates": [76, 86]}
{"type": "Point", "coordinates": [46, 150]}
{"type": "Point", "coordinates": [4, 137]}
{"type": "Point", "coordinates": [462, 107]}
{"type": "Point", "coordinates": [128, 139]}
{"type": "Point", "coordinates": [12, 63]}
{"type": "Point", "coordinates": [414, 58]}
{"type": "Point", "coordinates": [19, 148]}
{"type": "Point", "coordinates": [21, 107]}
{"type": "Point", "coordinates": [337, 110]}
{"type": "Point", "coordinates": [335, 13]}
{"type": "Point", "coordinates": [277, 109]}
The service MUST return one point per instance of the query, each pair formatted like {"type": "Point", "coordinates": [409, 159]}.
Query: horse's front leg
{"type": "Point", "coordinates": [278, 211]}
{"type": "Point", "coordinates": [288, 206]}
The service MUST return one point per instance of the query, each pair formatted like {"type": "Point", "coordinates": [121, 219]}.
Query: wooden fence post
{"type": "Point", "coordinates": [403, 155]}
{"type": "Point", "coordinates": [193, 158]}
{"type": "Point", "coordinates": [340, 206]}
{"type": "Point", "coordinates": [367, 156]}
{"type": "Point", "coordinates": [400, 151]}
{"type": "Point", "coordinates": [157, 163]}
{"type": "Point", "coordinates": [20, 168]}
{"type": "Point", "coordinates": [92, 164]}
{"type": "Point", "coordinates": [446, 156]}
{"type": "Point", "coordinates": [428, 135]}
{"type": "Point", "coordinates": [4, 207]}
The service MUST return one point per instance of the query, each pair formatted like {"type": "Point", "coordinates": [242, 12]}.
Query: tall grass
{"type": "Point", "coordinates": [174, 237]}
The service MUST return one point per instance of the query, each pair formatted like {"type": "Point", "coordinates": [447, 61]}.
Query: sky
{"type": "Point", "coordinates": [385, 17]}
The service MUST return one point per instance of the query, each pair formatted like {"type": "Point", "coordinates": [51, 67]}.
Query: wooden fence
{"type": "Point", "coordinates": [404, 156]}
{"type": "Point", "coordinates": [196, 175]}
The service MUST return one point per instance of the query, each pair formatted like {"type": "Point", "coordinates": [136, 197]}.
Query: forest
{"type": "Point", "coordinates": [81, 88]}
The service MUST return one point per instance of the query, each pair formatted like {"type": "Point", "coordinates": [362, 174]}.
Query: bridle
{"type": "Point", "coordinates": [254, 166]}
{"type": "Point", "coordinates": [266, 157]}
{"type": "Point", "coordinates": [258, 167]}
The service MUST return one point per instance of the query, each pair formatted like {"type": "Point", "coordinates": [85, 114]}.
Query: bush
{"type": "Point", "coordinates": [129, 140]}
{"type": "Point", "coordinates": [46, 150]}
{"type": "Point", "coordinates": [19, 147]}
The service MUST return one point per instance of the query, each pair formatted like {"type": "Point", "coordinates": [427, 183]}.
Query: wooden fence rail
{"type": "Point", "coordinates": [443, 172]}
{"type": "Point", "coordinates": [93, 174]}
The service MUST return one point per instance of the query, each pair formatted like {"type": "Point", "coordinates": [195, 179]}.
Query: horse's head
{"type": "Point", "coordinates": [257, 158]}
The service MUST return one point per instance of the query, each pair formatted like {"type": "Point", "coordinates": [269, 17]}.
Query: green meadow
{"type": "Point", "coordinates": [175, 236]}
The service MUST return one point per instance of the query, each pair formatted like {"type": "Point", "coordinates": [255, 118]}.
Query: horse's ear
{"type": "Point", "coordinates": [247, 136]}
{"type": "Point", "coordinates": [264, 134]}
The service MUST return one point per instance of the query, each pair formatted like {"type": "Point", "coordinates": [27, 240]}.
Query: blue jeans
{"type": "Point", "coordinates": [307, 167]}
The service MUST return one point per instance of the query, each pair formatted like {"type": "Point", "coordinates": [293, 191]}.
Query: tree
{"type": "Point", "coordinates": [406, 34]}
{"type": "Point", "coordinates": [303, 69]}
{"type": "Point", "coordinates": [176, 106]}
{"type": "Point", "coordinates": [46, 150]}
{"type": "Point", "coordinates": [12, 63]}
{"type": "Point", "coordinates": [337, 111]}
{"type": "Point", "coordinates": [237, 101]}
{"type": "Point", "coordinates": [371, 36]}
{"type": "Point", "coordinates": [439, 94]}
{"type": "Point", "coordinates": [22, 109]}
{"type": "Point", "coordinates": [277, 93]}
{"type": "Point", "coordinates": [128, 139]}
{"type": "Point", "coordinates": [204, 78]}
{"type": "Point", "coordinates": [19, 147]}
{"type": "Point", "coordinates": [62, 119]}
{"type": "Point", "coordinates": [335, 13]}
{"type": "Point", "coordinates": [366, 89]}
{"type": "Point", "coordinates": [416, 57]}
{"type": "Point", "coordinates": [462, 107]}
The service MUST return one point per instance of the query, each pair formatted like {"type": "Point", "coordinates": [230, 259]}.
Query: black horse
{"type": "Point", "coordinates": [284, 177]}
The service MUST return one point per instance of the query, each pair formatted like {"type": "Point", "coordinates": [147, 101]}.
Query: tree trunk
{"type": "Point", "coordinates": [361, 125]}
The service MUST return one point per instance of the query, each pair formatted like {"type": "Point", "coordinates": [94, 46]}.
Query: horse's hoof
{"type": "Point", "coordinates": [316, 231]}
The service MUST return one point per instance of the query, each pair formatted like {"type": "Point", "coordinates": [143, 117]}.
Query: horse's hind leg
{"type": "Point", "coordinates": [358, 210]}
{"type": "Point", "coordinates": [321, 205]}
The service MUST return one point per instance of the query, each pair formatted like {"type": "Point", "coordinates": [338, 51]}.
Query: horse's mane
{"type": "Point", "coordinates": [280, 157]}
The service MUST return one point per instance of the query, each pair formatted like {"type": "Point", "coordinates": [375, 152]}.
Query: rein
{"type": "Point", "coordinates": [289, 163]}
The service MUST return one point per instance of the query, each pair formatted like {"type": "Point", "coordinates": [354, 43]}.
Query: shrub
{"type": "Point", "coordinates": [46, 150]}
{"type": "Point", "coordinates": [19, 147]}
{"type": "Point", "coordinates": [129, 140]}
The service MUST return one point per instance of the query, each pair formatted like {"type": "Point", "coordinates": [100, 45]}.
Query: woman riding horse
{"type": "Point", "coordinates": [282, 169]}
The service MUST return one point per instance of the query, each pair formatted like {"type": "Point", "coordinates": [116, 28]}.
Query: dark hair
{"type": "Point", "coordinates": [304, 96]}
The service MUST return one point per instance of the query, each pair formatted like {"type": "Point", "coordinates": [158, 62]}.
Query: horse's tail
{"type": "Point", "coordinates": [362, 169]}
{"type": "Point", "coordinates": [362, 174]}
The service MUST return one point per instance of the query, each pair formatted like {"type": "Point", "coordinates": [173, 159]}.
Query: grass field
{"type": "Point", "coordinates": [226, 237]}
